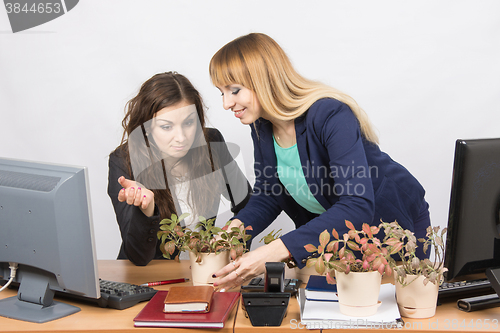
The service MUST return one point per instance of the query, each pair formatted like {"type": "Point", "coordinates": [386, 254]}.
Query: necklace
{"type": "Point", "coordinates": [288, 140]}
{"type": "Point", "coordinates": [181, 178]}
{"type": "Point", "coordinates": [179, 172]}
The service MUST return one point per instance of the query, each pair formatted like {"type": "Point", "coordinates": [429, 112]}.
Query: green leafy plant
{"type": "Point", "coordinates": [203, 238]}
{"type": "Point", "coordinates": [404, 243]}
{"type": "Point", "coordinates": [340, 253]}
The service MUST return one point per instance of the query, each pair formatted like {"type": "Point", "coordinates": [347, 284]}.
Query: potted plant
{"type": "Point", "coordinates": [302, 274]}
{"type": "Point", "coordinates": [209, 247]}
{"type": "Point", "coordinates": [358, 260]}
{"type": "Point", "coordinates": [417, 281]}
{"type": "Point", "coordinates": [272, 236]}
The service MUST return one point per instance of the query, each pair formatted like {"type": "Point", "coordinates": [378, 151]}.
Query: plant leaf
{"type": "Point", "coordinates": [268, 239]}
{"type": "Point", "coordinates": [233, 254]}
{"type": "Point", "coordinates": [353, 246]}
{"type": "Point", "coordinates": [388, 270]}
{"type": "Point", "coordinates": [367, 230]}
{"type": "Point", "coordinates": [339, 266]}
{"type": "Point", "coordinates": [320, 266]}
{"type": "Point", "coordinates": [310, 248]}
{"type": "Point", "coordinates": [163, 238]}
{"type": "Point", "coordinates": [349, 225]}
{"type": "Point", "coordinates": [341, 252]}
{"type": "Point", "coordinates": [331, 246]}
{"type": "Point", "coordinates": [311, 262]}
{"type": "Point", "coordinates": [178, 230]}
{"type": "Point", "coordinates": [324, 238]}
{"type": "Point", "coordinates": [396, 248]}
{"type": "Point", "coordinates": [329, 278]}
{"type": "Point", "coordinates": [170, 247]}
{"type": "Point", "coordinates": [335, 234]}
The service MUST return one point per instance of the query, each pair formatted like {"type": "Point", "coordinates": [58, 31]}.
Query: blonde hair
{"type": "Point", "coordinates": [258, 63]}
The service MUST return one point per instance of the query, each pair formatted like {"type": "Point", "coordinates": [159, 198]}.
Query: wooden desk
{"type": "Point", "coordinates": [95, 319]}
{"type": "Point", "coordinates": [448, 318]}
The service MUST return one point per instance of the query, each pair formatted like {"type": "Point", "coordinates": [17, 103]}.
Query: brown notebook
{"type": "Point", "coordinates": [188, 299]}
{"type": "Point", "coordinates": [221, 308]}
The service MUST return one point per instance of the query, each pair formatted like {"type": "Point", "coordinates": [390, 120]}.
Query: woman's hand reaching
{"type": "Point", "coordinates": [135, 194]}
{"type": "Point", "coordinates": [250, 265]}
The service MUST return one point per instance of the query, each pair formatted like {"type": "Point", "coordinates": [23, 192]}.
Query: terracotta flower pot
{"type": "Point", "coordinates": [358, 293]}
{"type": "Point", "coordinates": [201, 272]}
{"type": "Point", "coordinates": [416, 300]}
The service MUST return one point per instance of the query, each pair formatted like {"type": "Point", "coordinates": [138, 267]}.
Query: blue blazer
{"type": "Point", "coordinates": [348, 175]}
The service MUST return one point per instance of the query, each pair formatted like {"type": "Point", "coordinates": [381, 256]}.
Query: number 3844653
{"type": "Point", "coordinates": [20, 7]}
{"type": "Point", "coordinates": [471, 323]}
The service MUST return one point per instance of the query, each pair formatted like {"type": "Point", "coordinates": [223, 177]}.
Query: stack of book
{"type": "Point", "coordinates": [187, 306]}
{"type": "Point", "coordinates": [319, 308]}
{"type": "Point", "coordinates": [317, 289]}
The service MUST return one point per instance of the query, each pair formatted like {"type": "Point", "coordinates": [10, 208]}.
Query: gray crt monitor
{"type": "Point", "coordinates": [46, 228]}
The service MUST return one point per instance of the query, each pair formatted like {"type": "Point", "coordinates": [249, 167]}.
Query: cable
{"type": "Point", "coordinates": [13, 270]}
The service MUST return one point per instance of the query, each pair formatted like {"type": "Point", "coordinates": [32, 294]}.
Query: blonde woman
{"type": "Point", "coordinates": [316, 157]}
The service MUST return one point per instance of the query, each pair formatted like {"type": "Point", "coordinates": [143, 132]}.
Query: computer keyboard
{"type": "Point", "coordinates": [459, 289]}
{"type": "Point", "coordinates": [257, 284]}
{"type": "Point", "coordinates": [116, 295]}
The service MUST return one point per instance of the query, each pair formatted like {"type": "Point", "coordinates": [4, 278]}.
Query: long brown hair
{"type": "Point", "coordinates": [144, 159]}
{"type": "Point", "coordinates": [257, 62]}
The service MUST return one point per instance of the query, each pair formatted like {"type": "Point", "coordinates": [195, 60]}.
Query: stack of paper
{"type": "Point", "coordinates": [327, 315]}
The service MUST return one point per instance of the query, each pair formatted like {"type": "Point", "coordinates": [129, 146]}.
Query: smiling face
{"type": "Point", "coordinates": [174, 129]}
{"type": "Point", "coordinates": [242, 101]}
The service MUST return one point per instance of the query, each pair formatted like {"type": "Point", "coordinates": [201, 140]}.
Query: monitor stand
{"type": "Point", "coordinates": [34, 302]}
{"type": "Point", "coordinates": [493, 275]}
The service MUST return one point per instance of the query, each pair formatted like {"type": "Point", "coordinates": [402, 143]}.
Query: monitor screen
{"type": "Point", "coordinates": [46, 229]}
{"type": "Point", "coordinates": [473, 241]}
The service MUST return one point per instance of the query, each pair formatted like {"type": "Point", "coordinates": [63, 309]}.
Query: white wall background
{"type": "Point", "coordinates": [426, 72]}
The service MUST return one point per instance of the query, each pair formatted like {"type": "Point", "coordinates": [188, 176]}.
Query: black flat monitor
{"type": "Point", "coordinates": [46, 229]}
{"type": "Point", "coordinates": [473, 240]}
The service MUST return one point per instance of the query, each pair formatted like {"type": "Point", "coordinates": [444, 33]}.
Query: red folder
{"type": "Point", "coordinates": [152, 314]}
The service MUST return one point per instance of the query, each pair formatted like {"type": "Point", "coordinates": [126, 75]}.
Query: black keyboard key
{"type": "Point", "coordinates": [116, 295]}
{"type": "Point", "coordinates": [459, 289]}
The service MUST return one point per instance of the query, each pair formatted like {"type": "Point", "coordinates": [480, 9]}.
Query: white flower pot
{"type": "Point", "coordinates": [201, 272]}
{"type": "Point", "coordinates": [416, 300]}
{"type": "Point", "coordinates": [358, 293]}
